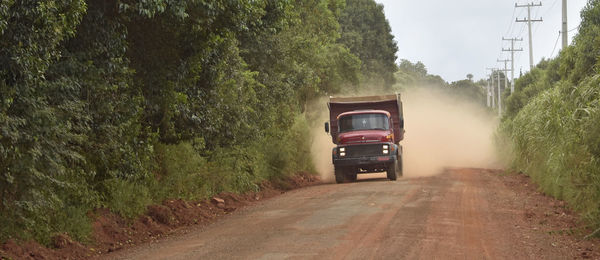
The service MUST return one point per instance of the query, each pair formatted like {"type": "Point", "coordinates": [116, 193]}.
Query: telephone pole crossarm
{"type": "Point", "coordinates": [528, 5]}
{"type": "Point", "coordinates": [520, 49]}
{"type": "Point", "coordinates": [532, 20]}
{"type": "Point", "coordinates": [529, 21]}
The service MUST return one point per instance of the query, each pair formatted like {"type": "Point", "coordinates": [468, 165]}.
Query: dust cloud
{"type": "Point", "coordinates": [322, 144]}
{"type": "Point", "coordinates": [441, 131]}
{"type": "Point", "coordinates": [444, 131]}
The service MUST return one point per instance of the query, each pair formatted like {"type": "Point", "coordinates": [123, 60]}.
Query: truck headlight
{"type": "Point", "coordinates": [342, 154]}
{"type": "Point", "coordinates": [342, 149]}
{"type": "Point", "coordinates": [386, 149]}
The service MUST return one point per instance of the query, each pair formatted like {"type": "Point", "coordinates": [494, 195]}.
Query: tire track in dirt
{"type": "Point", "coordinates": [455, 227]}
{"type": "Point", "coordinates": [459, 214]}
{"type": "Point", "coordinates": [368, 232]}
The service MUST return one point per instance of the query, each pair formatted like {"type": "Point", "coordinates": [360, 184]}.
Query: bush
{"type": "Point", "coordinates": [188, 171]}
{"type": "Point", "coordinates": [182, 173]}
{"type": "Point", "coordinates": [127, 198]}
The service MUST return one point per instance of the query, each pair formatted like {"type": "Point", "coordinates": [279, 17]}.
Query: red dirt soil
{"type": "Point", "coordinates": [461, 213]}
{"type": "Point", "coordinates": [553, 217]}
{"type": "Point", "coordinates": [112, 232]}
{"type": "Point", "coordinates": [540, 215]}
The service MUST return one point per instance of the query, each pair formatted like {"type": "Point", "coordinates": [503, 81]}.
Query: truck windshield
{"type": "Point", "coordinates": [364, 122]}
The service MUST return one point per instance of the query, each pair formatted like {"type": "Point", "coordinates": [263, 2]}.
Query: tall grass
{"type": "Point", "coordinates": [556, 140]}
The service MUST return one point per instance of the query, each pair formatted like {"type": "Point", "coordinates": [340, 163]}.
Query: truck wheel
{"type": "Point", "coordinates": [391, 171]}
{"type": "Point", "coordinates": [340, 177]}
{"type": "Point", "coordinates": [400, 169]}
{"type": "Point", "coordinates": [351, 177]}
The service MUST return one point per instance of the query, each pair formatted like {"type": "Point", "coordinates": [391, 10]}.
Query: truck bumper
{"type": "Point", "coordinates": [369, 162]}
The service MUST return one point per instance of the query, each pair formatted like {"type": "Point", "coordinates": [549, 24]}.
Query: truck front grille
{"type": "Point", "coordinates": [364, 150]}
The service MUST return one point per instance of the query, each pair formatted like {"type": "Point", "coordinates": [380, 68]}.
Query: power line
{"type": "Point", "coordinates": [510, 25]}
{"type": "Point", "coordinates": [522, 30]}
{"type": "Point", "coordinates": [558, 38]}
{"type": "Point", "coordinates": [574, 28]}
{"type": "Point", "coordinates": [551, 7]}
{"type": "Point", "coordinates": [555, 43]}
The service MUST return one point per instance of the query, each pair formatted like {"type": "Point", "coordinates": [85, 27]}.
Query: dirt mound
{"type": "Point", "coordinates": [112, 232]}
{"type": "Point", "coordinates": [64, 248]}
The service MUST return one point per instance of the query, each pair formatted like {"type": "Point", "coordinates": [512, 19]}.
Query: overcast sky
{"type": "Point", "coordinates": [454, 38]}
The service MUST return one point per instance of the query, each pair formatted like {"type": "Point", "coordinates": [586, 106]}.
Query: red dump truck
{"type": "Point", "coordinates": [367, 131]}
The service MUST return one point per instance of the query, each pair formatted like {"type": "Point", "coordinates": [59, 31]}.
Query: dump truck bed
{"type": "Point", "coordinates": [390, 103]}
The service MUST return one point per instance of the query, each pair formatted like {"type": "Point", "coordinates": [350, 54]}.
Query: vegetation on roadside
{"type": "Point", "coordinates": [552, 121]}
{"type": "Point", "coordinates": [415, 75]}
{"type": "Point", "coordinates": [121, 104]}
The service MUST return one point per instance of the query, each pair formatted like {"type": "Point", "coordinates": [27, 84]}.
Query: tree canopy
{"type": "Point", "coordinates": [121, 103]}
{"type": "Point", "coordinates": [367, 33]}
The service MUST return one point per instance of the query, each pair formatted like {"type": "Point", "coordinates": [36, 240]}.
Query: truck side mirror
{"type": "Point", "coordinates": [327, 127]}
{"type": "Point", "coordinates": [401, 122]}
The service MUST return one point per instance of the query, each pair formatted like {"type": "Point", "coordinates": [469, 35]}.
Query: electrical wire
{"type": "Point", "coordinates": [522, 30]}
{"type": "Point", "coordinates": [510, 25]}
{"type": "Point", "coordinates": [551, 7]}
{"type": "Point", "coordinates": [555, 43]}
{"type": "Point", "coordinates": [576, 28]}
{"type": "Point", "coordinates": [514, 22]}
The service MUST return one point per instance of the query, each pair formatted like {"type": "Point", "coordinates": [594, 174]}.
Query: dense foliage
{"type": "Point", "coordinates": [367, 34]}
{"type": "Point", "coordinates": [551, 122]}
{"type": "Point", "coordinates": [123, 103]}
{"type": "Point", "coordinates": [411, 75]}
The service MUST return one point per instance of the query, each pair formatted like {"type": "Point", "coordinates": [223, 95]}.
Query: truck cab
{"type": "Point", "coordinates": [367, 131]}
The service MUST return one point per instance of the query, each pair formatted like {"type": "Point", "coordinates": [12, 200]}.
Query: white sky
{"type": "Point", "coordinates": [454, 38]}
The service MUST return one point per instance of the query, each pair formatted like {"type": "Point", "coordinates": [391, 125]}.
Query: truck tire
{"type": "Point", "coordinates": [391, 171]}
{"type": "Point", "coordinates": [351, 176]}
{"type": "Point", "coordinates": [400, 170]}
{"type": "Point", "coordinates": [340, 176]}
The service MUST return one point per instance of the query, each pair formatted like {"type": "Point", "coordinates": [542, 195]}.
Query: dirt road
{"type": "Point", "coordinates": [460, 214]}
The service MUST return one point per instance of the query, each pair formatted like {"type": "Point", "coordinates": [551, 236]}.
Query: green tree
{"type": "Point", "coordinates": [367, 33]}
{"type": "Point", "coordinates": [121, 103]}
{"type": "Point", "coordinates": [40, 156]}
{"type": "Point", "coordinates": [415, 75]}
{"type": "Point", "coordinates": [469, 90]}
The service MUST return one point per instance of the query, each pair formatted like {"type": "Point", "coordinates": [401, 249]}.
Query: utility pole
{"type": "Point", "coordinates": [565, 33]}
{"type": "Point", "coordinates": [490, 89]}
{"type": "Point", "coordinates": [512, 60]}
{"type": "Point", "coordinates": [505, 70]}
{"type": "Point", "coordinates": [499, 95]}
{"type": "Point", "coordinates": [487, 95]}
{"type": "Point", "coordinates": [505, 85]}
{"type": "Point", "coordinates": [528, 20]}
